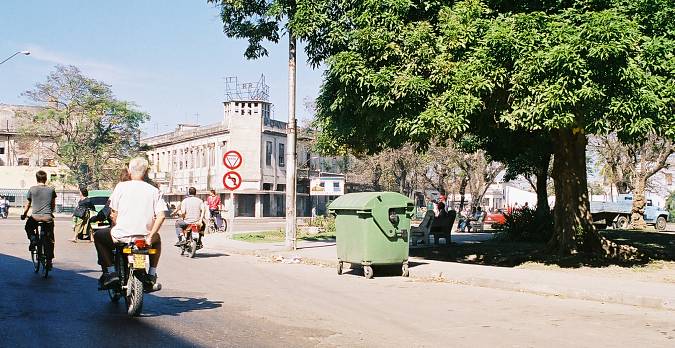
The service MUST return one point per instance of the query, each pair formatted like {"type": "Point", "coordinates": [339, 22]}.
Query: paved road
{"type": "Point", "coordinates": [228, 300]}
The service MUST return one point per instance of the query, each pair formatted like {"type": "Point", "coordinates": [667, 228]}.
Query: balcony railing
{"type": "Point", "coordinates": [186, 135]}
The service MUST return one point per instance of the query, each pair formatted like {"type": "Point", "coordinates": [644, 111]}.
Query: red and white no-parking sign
{"type": "Point", "coordinates": [232, 180]}
{"type": "Point", "coordinates": [232, 159]}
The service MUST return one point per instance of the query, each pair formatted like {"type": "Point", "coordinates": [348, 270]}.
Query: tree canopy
{"type": "Point", "coordinates": [428, 70]}
{"type": "Point", "coordinates": [94, 131]}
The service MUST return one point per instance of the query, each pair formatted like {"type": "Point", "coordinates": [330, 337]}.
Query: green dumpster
{"type": "Point", "coordinates": [372, 229]}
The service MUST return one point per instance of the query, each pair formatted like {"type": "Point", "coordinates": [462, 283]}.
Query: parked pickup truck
{"type": "Point", "coordinates": [618, 214]}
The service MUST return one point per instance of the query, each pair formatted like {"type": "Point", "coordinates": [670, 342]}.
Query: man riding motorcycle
{"type": "Point", "coordinates": [191, 212]}
{"type": "Point", "coordinates": [137, 209]}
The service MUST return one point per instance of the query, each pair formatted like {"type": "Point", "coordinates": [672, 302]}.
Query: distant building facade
{"type": "Point", "coordinates": [21, 157]}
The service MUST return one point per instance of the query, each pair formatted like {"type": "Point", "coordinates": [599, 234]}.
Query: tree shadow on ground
{"type": "Point", "coordinates": [503, 253]}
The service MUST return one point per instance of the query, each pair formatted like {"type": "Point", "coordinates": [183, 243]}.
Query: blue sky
{"type": "Point", "coordinates": [169, 57]}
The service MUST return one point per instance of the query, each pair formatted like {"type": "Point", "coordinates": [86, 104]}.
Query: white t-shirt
{"type": "Point", "coordinates": [192, 207]}
{"type": "Point", "coordinates": [137, 203]}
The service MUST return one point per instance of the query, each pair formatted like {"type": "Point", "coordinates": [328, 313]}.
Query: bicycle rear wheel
{"type": "Point", "coordinates": [43, 259]}
{"type": "Point", "coordinates": [35, 257]}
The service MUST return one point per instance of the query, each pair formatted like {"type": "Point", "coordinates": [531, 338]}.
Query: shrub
{"type": "Point", "coordinates": [326, 223]}
{"type": "Point", "coordinates": [525, 225]}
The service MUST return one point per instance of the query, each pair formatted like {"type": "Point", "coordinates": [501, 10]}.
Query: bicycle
{"type": "Point", "coordinates": [211, 226]}
{"type": "Point", "coordinates": [38, 255]}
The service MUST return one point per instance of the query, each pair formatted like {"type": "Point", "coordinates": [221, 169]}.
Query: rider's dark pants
{"type": "Point", "coordinates": [31, 228]}
{"type": "Point", "coordinates": [103, 242]}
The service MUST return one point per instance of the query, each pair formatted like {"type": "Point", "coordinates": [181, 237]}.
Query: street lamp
{"type": "Point", "coordinates": [25, 53]}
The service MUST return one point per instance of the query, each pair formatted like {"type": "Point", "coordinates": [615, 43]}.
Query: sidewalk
{"type": "Point", "coordinates": [543, 282]}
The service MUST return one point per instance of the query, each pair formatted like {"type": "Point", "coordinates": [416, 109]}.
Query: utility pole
{"type": "Point", "coordinates": [291, 154]}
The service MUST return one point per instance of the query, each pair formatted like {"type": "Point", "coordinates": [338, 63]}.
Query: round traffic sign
{"type": "Point", "coordinates": [232, 180]}
{"type": "Point", "coordinates": [232, 160]}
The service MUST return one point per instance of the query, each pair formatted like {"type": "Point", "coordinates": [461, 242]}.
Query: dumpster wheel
{"type": "Point", "coordinates": [339, 267]}
{"type": "Point", "coordinates": [368, 272]}
{"type": "Point", "coordinates": [404, 270]}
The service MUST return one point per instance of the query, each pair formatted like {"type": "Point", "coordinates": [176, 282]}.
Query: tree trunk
{"type": "Point", "coordinates": [573, 225]}
{"type": "Point", "coordinates": [639, 202]}
{"type": "Point", "coordinates": [462, 192]}
{"type": "Point", "coordinates": [543, 209]}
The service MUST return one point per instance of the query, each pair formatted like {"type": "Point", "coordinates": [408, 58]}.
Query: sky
{"type": "Point", "coordinates": [169, 57]}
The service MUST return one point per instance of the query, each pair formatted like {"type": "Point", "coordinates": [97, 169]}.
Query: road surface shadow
{"type": "Point", "coordinates": [504, 253]}
{"type": "Point", "coordinates": [209, 255]}
{"type": "Point", "coordinates": [66, 309]}
{"type": "Point", "coordinates": [176, 305]}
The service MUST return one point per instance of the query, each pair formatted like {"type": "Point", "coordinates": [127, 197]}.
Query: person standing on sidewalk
{"type": "Point", "coordinates": [214, 204]}
{"type": "Point", "coordinates": [82, 214]}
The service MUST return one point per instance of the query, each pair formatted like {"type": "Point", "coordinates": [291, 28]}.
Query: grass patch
{"type": "Point", "coordinates": [655, 247]}
{"type": "Point", "coordinates": [261, 237]}
{"type": "Point", "coordinates": [279, 236]}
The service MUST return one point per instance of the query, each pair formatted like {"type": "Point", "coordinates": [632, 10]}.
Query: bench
{"type": "Point", "coordinates": [477, 225]}
{"type": "Point", "coordinates": [419, 236]}
{"type": "Point", "coordinates": [442, 226]}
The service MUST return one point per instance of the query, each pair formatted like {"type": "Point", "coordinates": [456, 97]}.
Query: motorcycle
{"type": "Point", "coordinates": [4, 211]}
{"type": "Point", "coordinates": [130, 262]}
{"type": "Point", "coordinates": [191, 240]}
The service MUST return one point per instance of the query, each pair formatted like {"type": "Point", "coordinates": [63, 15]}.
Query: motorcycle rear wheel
{"type": "Point", "coordinates": [134, 297]}
{"type": "Point", "coordinates": [193, 248]}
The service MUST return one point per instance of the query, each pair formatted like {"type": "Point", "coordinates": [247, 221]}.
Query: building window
{"type": "Point", "coordinates": [2, 150]}
{"type": "Point", "coordinates": [267, 187]}
{"type": "Point", "coordinates": [281, 187]}
{"type": "Point", "coordinates": [23, 161]}
{"type": "Point", "coordinates": [281, 155]}
{"type": "Point", "coordinates": [268, 153]}
{"type": "Point", "coordinates": [669, 179]}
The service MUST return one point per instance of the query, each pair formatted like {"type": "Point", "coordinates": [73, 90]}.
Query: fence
{"type": "Point", "coordinates": [66, 200]}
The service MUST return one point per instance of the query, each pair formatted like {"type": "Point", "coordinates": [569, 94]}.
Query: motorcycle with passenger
{"type": "Point", "coordinates": [131, 260]}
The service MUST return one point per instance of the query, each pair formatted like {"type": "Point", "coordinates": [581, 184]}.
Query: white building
{"type": "Point", "coordinates": [193, 156]}
{"type": "Point", "coordinates": [21, 157]}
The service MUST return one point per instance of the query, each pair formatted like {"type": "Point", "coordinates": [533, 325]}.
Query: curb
{"type": "Point", "coordinates": [614, 297]}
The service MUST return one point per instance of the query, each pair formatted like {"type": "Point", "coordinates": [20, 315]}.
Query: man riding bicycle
{"type": "Point", "coordinates": [191, 212]}
{"type": "Point", "coordinates": [137, 209]}
{"type": "Point", "coordinates": [214, 203]}
{"type": "Point", "coordinates": [42, 199]}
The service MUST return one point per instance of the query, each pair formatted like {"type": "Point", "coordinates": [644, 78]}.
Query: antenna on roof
{"type": "Point", "coordinates": [248, 91]}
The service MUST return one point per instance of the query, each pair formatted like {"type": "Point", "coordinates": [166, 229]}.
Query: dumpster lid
{"type": "Point", "coordinates": [368, 200]}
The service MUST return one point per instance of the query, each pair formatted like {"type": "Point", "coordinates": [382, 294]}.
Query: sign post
{"type": "Point", "coordinates": [232, 180]}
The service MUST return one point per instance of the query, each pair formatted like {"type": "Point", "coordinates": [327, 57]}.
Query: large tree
{"type": "Point", "coordinates": [422, 70]}
{"type": "Point", "coordinates": [94, 131]}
